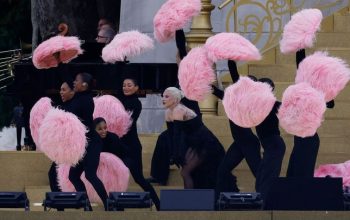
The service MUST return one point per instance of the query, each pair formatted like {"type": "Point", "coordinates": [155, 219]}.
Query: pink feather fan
{"type": "Point", "coordinates": [300, 31]}
{"type": "Point", "coordinates": [127, 44]}
{"type": "Point", "coordinates": [55, 50]}
{"type": "Point", "coordinates": [231, 46]}
{"type": "Point", "coordinates": [335, 170]}
{"type": "Point", "coordinates": [327, 74]}
{"type": "Point", "coordinates": [111, 170]}
{"type": "Point", "coordinates": [172, 16]}
{"type": "Point", "coordinates": [37, 115]}
{"type": "Point", "coordinates": [248, 103]}
{"type": "Point", "coordinates": [62, 137]}
{"type": "Point", "coordinates": [113, 111]}
{"type": "Point", "coordinates": [196, 74]}
{"type": "Point", "coordinates": [302, 110]}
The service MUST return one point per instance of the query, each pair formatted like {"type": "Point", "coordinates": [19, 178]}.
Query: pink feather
{"type": "Point", "coordinates": [327, 74]}
{"type": "Point", "coordinates": [113, 111]}
{"type": "Point", "coordinates": [248, 103]}
{"type": "Point", "coordinates": [302, 110]}
{"type": "Point", "coordinates": [231, 46]}
{"type": "Point", "coordinates": [67, 47]}
{"type": "Point", "coordinates": [126, 44]}
{"type": "Point", "coordinates": [37, 115]}
{"type": "Point", "coordinates": [300, 31]}
{"type": "Point", "coordinates": [172, 16]}
{"type": "Point", "coordinates": [111, 170]}
{"type": "Point", "coordinates": [335, 170]}
{"type": "Point", "coordinates": [196, 74]}
{"type": "Point", "coordinates": [62, 137]}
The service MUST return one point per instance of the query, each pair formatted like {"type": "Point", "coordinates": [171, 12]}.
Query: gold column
{"type": "Point", "coordinates": [200, 31]}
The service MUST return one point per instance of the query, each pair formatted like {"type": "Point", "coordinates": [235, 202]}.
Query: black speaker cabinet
{"type": "Point", "coordinates": [305, 194]}
{"type": "Point", "coordinates": [187, 200]}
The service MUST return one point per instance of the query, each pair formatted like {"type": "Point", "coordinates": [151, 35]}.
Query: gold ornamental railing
{"type": "Point", "coordinates": [262, 21]}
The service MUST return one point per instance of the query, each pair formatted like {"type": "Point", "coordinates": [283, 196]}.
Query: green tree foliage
{"type": "Point", "coordinates": [15, 23]}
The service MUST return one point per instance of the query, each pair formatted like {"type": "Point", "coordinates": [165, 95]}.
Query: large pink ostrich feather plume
{"type": "Point", "coordinates": [231, 46]}
{"type": "Point", "coordinates": [196, 74]}
{"type": "Point", "coordinates": [62, 137]}
{"type": "Point", "coordinates": [335, 170]}
{"type": "Point", "coordinates": [248, 103]}
{"type": "Point", "coordinates": [172, 16]}
{"type": "Point", "coordinates": [127, 44]}
{"type": "Point", "coordinates": [56, 49]}
{"type": "Point", "coordinates": [37, 115]}
{"type": "Point", "coordinates": [300, 31]}
{"type": "Point", "coordinates": [327, 74]}
{"type": "Point", "coordinates": [112, 110]}
{"type": "Point", "coordinates": [302, 110]}
{"type": "Point", "coordinates": [111, 170]}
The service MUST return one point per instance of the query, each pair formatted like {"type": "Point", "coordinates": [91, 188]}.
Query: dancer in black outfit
{"type": "Point", "coordinates": [161, 158]}
{"type": "Point", "coordinates": [303, 158]}
{"type": "Point", "coordinates": [245, 146]}
{"type": "Point", "coordinates": [111, 142]}
{"type": "Point", "coordinates": [83, 107]}
{"type": "Point", "coordinates": [274, 148]}
{"type": "Point", "coordinates": [201, 152]}
{"type": "Point", "coordinates": [66, 93]}
{"type": "Point", "coordinates": [133, 154]}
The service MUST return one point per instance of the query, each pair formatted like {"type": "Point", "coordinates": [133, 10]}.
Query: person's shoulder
{"type": "Point", "coordinates": [178, 112]}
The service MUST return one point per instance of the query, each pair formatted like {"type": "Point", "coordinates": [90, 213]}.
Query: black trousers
{"type": "Point", "coordinates": [249, 150]}
{"type": "Point", "coordinates": [89, 165]}
{"type": "Point", "coordinates": [302, 160]}
{"type": "Point", "coordinates": [133, 160]}
{"type": "Point", "coordinates": [161, 158]}
{"type": "Point", "coordinates": [271, 163]}
{"type": "Point", "coordinates": [53, 178]}
{"type": "Point", "coordinates": [19, 136]}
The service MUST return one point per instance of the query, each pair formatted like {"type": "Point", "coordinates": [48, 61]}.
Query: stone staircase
{"type": "Point", "coordinates": [31, 168]}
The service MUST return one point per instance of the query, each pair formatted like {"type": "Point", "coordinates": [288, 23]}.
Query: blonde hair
{"type": "Point", "coordinates": [176, 93]}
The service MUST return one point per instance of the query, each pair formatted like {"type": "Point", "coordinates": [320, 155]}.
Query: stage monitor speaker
{"type": "Point", "coordinates": [305, 194]}
{"type": "Point", "coordinates": [187, 200]}
{"type": "Point", "coordinates": [63, 200]}
{"type": "Point", "coordinates": [14, 200]}
{"type": "Point", "coordinates": [117, 201]}
{"type": "Point", "coordinates": [230, 201]}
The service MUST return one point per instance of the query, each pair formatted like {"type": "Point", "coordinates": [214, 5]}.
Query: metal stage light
{"type": "Point", "coordinates": [117, 201]}
{"type": "Point", "coordinates": [240, 201]}
{"type": "Point", "coordinates": [62, 200]}
{"type": "Point", "coordinates": [14, 200]}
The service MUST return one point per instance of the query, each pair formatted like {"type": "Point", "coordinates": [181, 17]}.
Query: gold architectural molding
{"type": "Point", "coordinates": [200, 31]}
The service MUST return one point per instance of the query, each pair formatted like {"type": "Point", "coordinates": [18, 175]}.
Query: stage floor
{"type": "Point", "coordinates": [141, 215]}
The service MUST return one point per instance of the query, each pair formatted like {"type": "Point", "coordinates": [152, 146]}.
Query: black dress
{"type": "Point", "coordinates": [245, 146]}
{"type": "Point", "coordinates": [133, 152]}
{"type": "Point", "coordinates": [198, 137]}
{"type": "Point", "coordinates": [161, 158]}
{"type": "Point", "coordinates": [83, 107]}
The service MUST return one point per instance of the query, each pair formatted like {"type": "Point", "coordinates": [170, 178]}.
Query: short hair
{"type": "Point", "coordinates": [98, 121]}
{"type": "Point", "coordinates": [175, 92]}
{"type": "Point", "coordinates": [109, 32]}
{"type": "Point", "coordinates": [87, 78]}
{"type": "Point", "coordinates": [136, 83]}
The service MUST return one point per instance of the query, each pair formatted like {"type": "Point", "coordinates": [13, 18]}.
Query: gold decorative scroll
{"type": "Point", "coordinates": [264, 24]}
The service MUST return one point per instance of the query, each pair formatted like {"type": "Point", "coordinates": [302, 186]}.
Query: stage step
{"type": "Point", "coordinates": [20, 170]}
